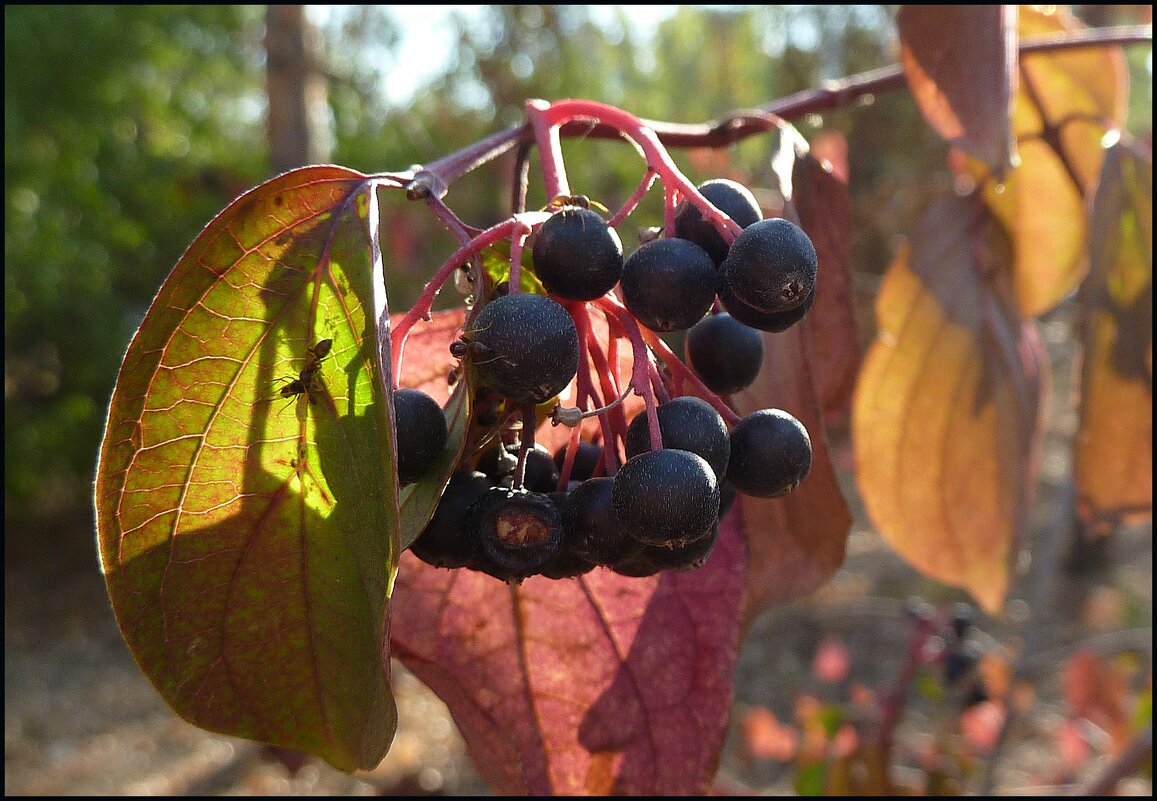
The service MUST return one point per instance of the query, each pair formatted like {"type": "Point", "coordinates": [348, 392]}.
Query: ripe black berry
{"type": "Point", "coordinates": [771, 453]}
{"type": "Point", "coordinates": [689, 556]}
{"type": "Point", "coordinates": [586, 461]}
{"type": "Point", "coordinates": [773, 322]}
{"type": "Point", "coordinates": [443, 543]}
{"type": "Point", "coordinates": [666, 497]}
{"type": "Point", "coordinates": [421, 428]}
{"type": "Point", "coordinates": [524, 346]}
{"type": "Point", "coordinates": [516, 532]}
{"type": "Point", "coordinates": [669, 284]}
{"type": "Point", "coordinates": [724, 352]}
{"type": "Point", "coordinates": [733, 199]}
{"type": "Point", "coordinates": [598, 535]}
{"type": "Point", "coordinates": [577, 255]}
{"type": "Point", "coordinates": [568, 561]}
{"type": "Point", "coordinates": [688, 424]}
{"type": "Point", "coordinates": [771, 265]}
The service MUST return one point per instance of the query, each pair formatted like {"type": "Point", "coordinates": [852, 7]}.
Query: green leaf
{"type": "Point", "coordinates": [248, 526]}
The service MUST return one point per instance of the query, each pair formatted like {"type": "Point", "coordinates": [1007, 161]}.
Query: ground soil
{"type": "Point", "coordinates": [81, 719]}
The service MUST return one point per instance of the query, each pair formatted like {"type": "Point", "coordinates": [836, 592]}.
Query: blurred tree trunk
{"type": "Point", "coordinates": [296, 84]}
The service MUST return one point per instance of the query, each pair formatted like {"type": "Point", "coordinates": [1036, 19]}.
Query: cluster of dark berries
{"type": "Point", "coordinates": [508, 512]}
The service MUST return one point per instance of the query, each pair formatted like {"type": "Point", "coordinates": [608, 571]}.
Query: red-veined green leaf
{"type": "Point", "coordinates": [960, 62]}
{"type": "Point", "coordinates": [1114, 449]}
{"type": "Point", "coordinates": [945, 416]}
{"type": "Point", "coordinates": [249, 535]}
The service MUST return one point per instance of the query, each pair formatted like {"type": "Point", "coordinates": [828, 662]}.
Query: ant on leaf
{"type": "Point", "coordinates": [305, 383]}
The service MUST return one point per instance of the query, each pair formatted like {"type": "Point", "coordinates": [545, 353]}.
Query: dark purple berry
{"type": "Point", "coordinates": [773, 322]}
{"type": "Point", "coordinates": [531, 347]}
{"type": "Point", "coordinates": [771, 266]}
{"type": "Point", "coordinates": [586, 461]}
{"type": "Point", "coordinates": [666, 497]}
{"type": "Point", "coordinates": [421, 428]}
{"type": "Point", "coordinates": [724, 352]}
{"type": "Point", "coordinates": [669, 284]}
{"type": "Point", "coordinates": [516, 532]}
{"type": "Point", "coordinates": [688, 424]}
{"type": "Point", "coordinates": [733, 199]}
{"type": "Point", "coordinates": [689, 556]}
{"type": "Point", "coordinates": [598, 535]}
{"type": "Point", "coordinates": [577, 255]}
{"type": "Point", "coordinates": [444, 543]}
{"type": "Point", "coordinates": [771, 453]}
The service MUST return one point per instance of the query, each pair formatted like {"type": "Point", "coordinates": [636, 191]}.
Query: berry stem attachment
{"type": "Point", "coordinates": [640, 376]}
{"type": "Point", "coordinates": [634, 200]}
{"type": "Point", "coordinates": [517, 240]}
{"type": "Point", "coordinates": [526, 439]}
{"type": "Point", "coordinates": [573, 416]}
{"type": "Point", "coordinates": [682, 374]}
{"type": "Point", "coordinates": [421, 308]}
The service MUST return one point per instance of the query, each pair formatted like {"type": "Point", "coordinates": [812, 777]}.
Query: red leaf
{"type": "Point", "coordinates": [832, 661]}
{"type": "Point", "coordinates": [764, 737]}
{"type": "Point", "coordinates": [795, 542]}
{"type": "Point", "coordinates": [596, 685]}
{"type": "Point", "coordinates": [824, 206]}
{"type": "Point", "coordinates": [981, 724]}
{"type": "Point", "coordinates": [426, 361]}
{"type": "Point", "coordinates": [960, 62]}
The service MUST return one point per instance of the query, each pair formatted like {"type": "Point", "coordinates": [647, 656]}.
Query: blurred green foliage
{"type": "Point", "coordinates": [125, 129]}
{"type": "Point", "coordinates": [128, 127]}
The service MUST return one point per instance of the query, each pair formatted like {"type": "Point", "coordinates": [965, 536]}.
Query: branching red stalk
{"type": "Point", "coordinates": [682, 373]}
{"type": "Point", "coordinates": [546, 135]}
{"type": "Point", "coordinates": [639, 373]}
{"type": "Point", "coordinates": [633, 201]}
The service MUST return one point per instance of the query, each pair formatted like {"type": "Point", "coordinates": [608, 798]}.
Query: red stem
{"type": "Point", "coordinates": [639, 371]}
{"type": "Point", "coordinates": [546, 134]}
{"type": "Point", "coordinates": [634, 200]}
{"type": "Point", "coordinates": [658, 159]}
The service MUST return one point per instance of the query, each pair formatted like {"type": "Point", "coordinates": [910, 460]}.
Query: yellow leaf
{"type": "Point", "coordinates": [1114, 451]}
{"type": "Point", "coordinates": [945, 413]}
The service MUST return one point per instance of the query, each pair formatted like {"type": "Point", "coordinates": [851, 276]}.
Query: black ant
{"type": "Point", "coordinates": [305, 384]}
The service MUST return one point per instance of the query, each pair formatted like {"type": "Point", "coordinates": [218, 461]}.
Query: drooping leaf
{"type": "Point", "coordinates": [597, 685]}
{"type": "Point", "coordinates": [796, 542]}
{"type": "Point", "coordinates": [945, 416]}
{"type": "Point", "coordinates": [824, 206]}
{"type": "Point", "coordinates": [248, 525]}
{"type": "Point", "coordinates": [960, 63]}
{"type": "Point", "coordinates": [1065, 103]}
{"type": "Point", "coordinates": [1114, 447]}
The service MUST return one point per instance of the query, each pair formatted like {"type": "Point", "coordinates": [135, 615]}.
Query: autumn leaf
{"type": "Point", "coordinates": [1065, 104]}
{"type": "Point", "coordinates": [795, 543]}
{"type": "Point", "coordinates": [946, 413]}
{"type": "Point", "coordinates": [246, 498]}
{"type": "Point", "coordinates": [823, 204]}
{"type": "Point", "coordinates": [960, 63]}
{"type": "Point", "coordinates": [1114, 446]}
{"type": "Point", "coordinates": [596, 685]}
